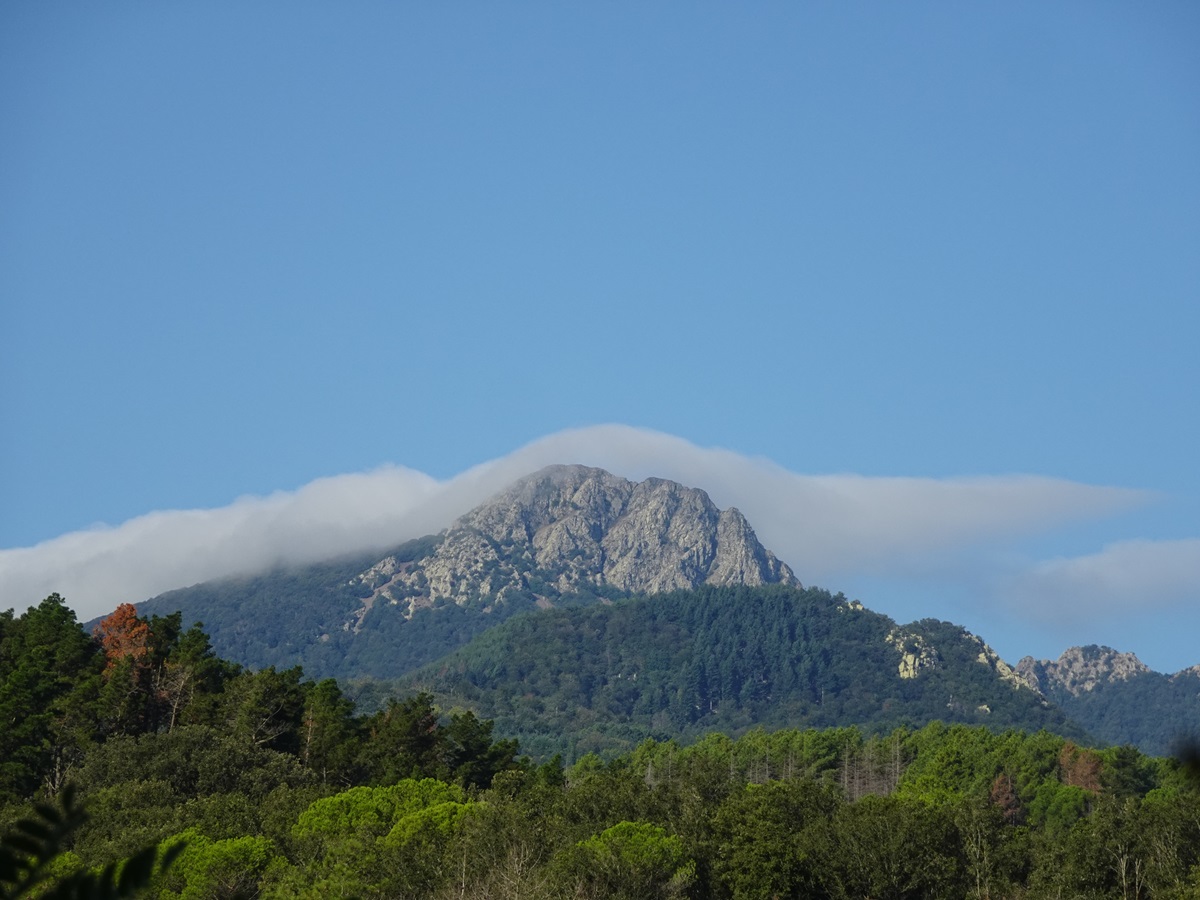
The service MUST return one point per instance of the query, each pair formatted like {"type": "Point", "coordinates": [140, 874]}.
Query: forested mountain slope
{"type": "Point", "coordinates": [296, 616]}
{"type": "Point", "coordinates": [606, 676]}
{"type": "Point", "coordinates": [569, 537]}
{"type": "Point", "coordinates": [1119, 699]}
{"type": "Point", "coordinates": [564, 535]}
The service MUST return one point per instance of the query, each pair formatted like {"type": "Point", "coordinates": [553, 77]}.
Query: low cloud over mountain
{"type": "Point", "coordinates": [823, 526]}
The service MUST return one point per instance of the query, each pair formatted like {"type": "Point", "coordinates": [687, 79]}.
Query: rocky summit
{"type": "Point", "coordinates": [1079, 670]}
{"type": "Point", "coordinates": [567, 529]}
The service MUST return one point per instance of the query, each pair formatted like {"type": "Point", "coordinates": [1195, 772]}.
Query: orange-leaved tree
{"type": "Point", "coordinates": [123, 636]}
{"type": "Point", "coordinates": [1080, 767]}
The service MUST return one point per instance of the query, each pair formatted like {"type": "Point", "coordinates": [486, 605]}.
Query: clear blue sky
{"type": "Point", "coordinates": [244, 246]}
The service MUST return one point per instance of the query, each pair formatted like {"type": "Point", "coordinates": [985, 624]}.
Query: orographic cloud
{"type": "Point", "coordinates": [821, 525]}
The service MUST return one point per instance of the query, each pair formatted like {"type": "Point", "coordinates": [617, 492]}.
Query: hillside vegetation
{"type": "Point", "coordinates": [606, 676]}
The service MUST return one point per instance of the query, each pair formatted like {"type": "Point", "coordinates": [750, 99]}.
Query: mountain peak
{"type": "Point", "coordinates": [1080, 669]}
{"type": "Point", "coordinates": [568, 528]}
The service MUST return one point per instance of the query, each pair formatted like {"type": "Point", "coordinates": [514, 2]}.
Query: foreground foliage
{"type": "Point", "coordinates": [264, 784]}
{"type": "Point", "coordinates": [32, 853]}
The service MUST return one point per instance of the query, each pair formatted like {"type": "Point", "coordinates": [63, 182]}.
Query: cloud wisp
{"type": "Point", "coordinates": [99, 568]}
{"type": "Point", "coordinates": [822, 525]}
{"type": "Point", "coordinates": [1140, 575]}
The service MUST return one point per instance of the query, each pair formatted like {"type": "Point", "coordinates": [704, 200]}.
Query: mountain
{"type": "Point", "coordinates": [636, 572]}
{"type": "Point", "coordinates": [681, 664]}
{"type": "Point", "coordinates": [1080, 670]}
{"type": "Point", "coordinates": [283, 617]}
{"type": "Point", "coordinates": [568, 529]}
{"type": "Point", "coordinates": [566, 534]}
{"type": "Point", "coordinates": [1118, 698]}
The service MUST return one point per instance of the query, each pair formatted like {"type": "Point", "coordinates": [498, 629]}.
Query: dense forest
{"type": "Point", "coordinates": [702, 675]}
{"type": "Point", "coordinates": [267, 784]}
{"type": "Point", "coordinates": [606, 676]}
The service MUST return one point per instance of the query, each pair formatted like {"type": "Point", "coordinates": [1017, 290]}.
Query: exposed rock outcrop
{"type": "Point", "coordinates": [1080, 669]}
{"type": "Point", "coordinates": [915, 652]}
{"type": "Point", "coordinates": [990, 658]}
{"type": "Point", "coordinates": [928, 645]}
{"type": "Point", "coordinates": [571, 528]}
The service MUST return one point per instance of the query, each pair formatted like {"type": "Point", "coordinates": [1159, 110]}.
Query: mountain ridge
{"type": "Point", "coordinates": [1083, 667]}
{"type": "Point", "coordinates": [1118, 698]}
{"type": "Point", "coordinates": [574, 537]}
{"type": "Point", "coordinates": [1080, 669]}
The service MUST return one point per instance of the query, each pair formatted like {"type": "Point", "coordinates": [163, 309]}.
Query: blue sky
{"type": "Point", "coordinates": [244, 247]}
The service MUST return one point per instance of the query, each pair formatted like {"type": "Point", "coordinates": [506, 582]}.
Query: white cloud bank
{"type": "Point", "coordinates": [1144, 576]}
{"type": "Point", "coordinates": [822, 526]}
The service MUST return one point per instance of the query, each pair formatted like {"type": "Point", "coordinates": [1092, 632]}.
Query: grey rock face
{"type": "Point", "coordinates": [1080, 669]}
{"type": "Point", "coordinates": [741, 559]}
{"type": "Point", "coordinates": [571, 527]}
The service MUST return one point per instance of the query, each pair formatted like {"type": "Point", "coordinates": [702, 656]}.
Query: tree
{"type": "Point", "coordinates": [329, 734]}
{"type": "Point", "coordinates": [756, 851]}
{"type": "Point", "coordinates": [267, 708]}
{"type": "Point", "coordinates": [1169, 825]}
{"type": "Point", "coordinates": [48, 671]}
{"type": "Point", "coordinates": [629, 861]}
{"type": "Point", "coordinates": [985, 842]}
{"type": "Point", "coordinates": [503, 843]}
{"type": "Point", "coordinates": [1081, 768]}
{"type": "Point", "coordinates": [123, 635]}
{"type": "Point", "coordinates": [890, 848]}
{"type": "Point", "coordinates": [1004, 797]}
{"type": "Point", "coordinates": [403, 740]}
{"type": "Point", "coordinates": [472, 758]}
{"type": "Point", "coordinates": [227, 869]}
{"type": "Point", "coordinates": [184, 669]}
{"type": "Point", "coordinates": [372, 842]}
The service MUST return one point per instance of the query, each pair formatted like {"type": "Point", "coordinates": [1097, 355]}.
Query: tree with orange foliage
{"type": "Point", "coordinates": [123, 636]}
{"type": "Point", "coordinates": [1080, 768]}
{"type": "Point", "coordinates": [127, 696]}
{"type": "Point", "coordinates": [1004, 797]}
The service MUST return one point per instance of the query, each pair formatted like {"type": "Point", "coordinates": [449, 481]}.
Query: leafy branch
{"type": "Point", "coordinates": [29, 847]}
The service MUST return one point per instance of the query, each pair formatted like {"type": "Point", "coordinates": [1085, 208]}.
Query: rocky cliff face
{"type": "Point", "coordinates": [1080, 670]}
{"type": "Point", "coordinates": [571, 528]}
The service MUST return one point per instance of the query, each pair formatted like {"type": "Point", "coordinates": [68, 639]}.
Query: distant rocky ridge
{"type": "Point", "coordinates": [917, 654]}
{"type": "Point", "coordinates": [1118, 698]}
{"type": "Point", "coordinates": [603, 677]}
{"type": "Point", "coordinates": [1080, 669]}
{"type": "Point", "coordinates": [567, 529]}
